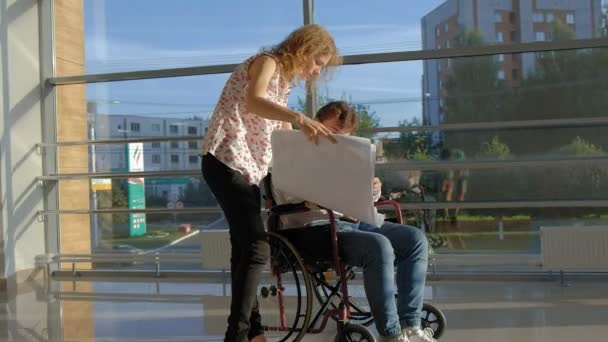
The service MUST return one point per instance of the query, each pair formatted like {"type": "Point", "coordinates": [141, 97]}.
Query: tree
{"type": "Point", "coordinates": [367, 120]}
{"type": "Point", "coordinates": [494, 149]}
{"type": "Point", "coordinates": [411, 145]}
{"type": "Point", "coordinates": [198, 194]}
{"type": "Point", "coordinates": [563, 85]}
{"type": "Point", "coordinates": [117, 199]}
{"type": "Point", "coordinates": [474, 92]}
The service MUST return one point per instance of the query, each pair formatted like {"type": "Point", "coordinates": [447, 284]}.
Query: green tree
{"type": "Point", "coordinates": [494, 149]}
{"type": "Point", "coordinates": [116, 199]}
{"type": "Point", "coordinates": [198, 194]}
{"type": "Point", "coordinates": [411, 145]}
{"type": "Point", "coordinates": [580, 147]}
{"type": "Point", "coordinates": [474, 92]}
{"type": "Point", "coordinates": [367, 119]}
{"type": "Point", "coordinates": [563, 85]}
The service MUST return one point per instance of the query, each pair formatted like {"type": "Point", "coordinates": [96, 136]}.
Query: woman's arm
{"type": "Point", "coordinates": [260, 73]}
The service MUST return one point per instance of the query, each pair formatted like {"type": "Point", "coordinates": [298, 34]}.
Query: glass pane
{"type": "Point", "coordinates": [549, 85]}
{"type": "Point", "coordinates": [144, 35]}
{"type": "Point", "coordinates": [365, 27]}
{"type": "Point", "coordinates": [165, 233]}
{"type": "Point", "coordinates": [157, 108]}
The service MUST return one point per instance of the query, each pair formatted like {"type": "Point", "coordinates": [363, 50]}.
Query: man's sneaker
{"type": "Point", "coordinates": [419, 335]}
{"type": "Point", "coordinates": [399, 338]}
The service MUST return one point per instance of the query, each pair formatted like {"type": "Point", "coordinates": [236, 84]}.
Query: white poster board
{"type": "Point", "coordinates": [336, 176]}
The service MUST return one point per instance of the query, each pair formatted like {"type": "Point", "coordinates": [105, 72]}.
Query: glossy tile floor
{"type": "Point", "coordinates": [174, 311]}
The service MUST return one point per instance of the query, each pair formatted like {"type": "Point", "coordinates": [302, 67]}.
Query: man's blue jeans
{"type": "Point", "coordinates": [378, 251]}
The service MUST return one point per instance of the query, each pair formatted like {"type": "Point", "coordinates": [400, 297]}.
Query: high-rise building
{"type": "Point", "coordinates": [498, 22]}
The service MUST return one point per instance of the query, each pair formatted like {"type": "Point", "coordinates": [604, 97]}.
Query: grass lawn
{"type": "Point", "coordinates": [518, 241]}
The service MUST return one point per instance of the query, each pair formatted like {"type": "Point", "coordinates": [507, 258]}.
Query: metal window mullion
{"type": "Point", "coordinates": [398, 165]}
{"type": "Point", "coordinates": [49, 121]}
{"type": "Point", "coordinates": [126, 141]}
{"type": "Point", "coordinates": [508, 204]}
{"type": "Point", "coordinates": [523, 124]}
{"type": "Point", "coordinates": [200, 210]}
{"type": "Point", "coordinates": [402, 56]}
{"type": "Point", "coordinates": [489, 164]}
{"type": "Point", "coordinates": [405, 206]}
{"type": "Point", "coordinates": [52, 231]}
{"type": "Point", "coordinates": [142, 75]}
{"type": "Point", "coordinates": [143, 174]}
{"type": "Point", "coordinates": [487, 50]}
{"type": "Point", "coordinates": [311, 85]}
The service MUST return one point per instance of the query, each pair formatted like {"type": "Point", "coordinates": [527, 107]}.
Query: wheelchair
{"type": "Point", "coordinates": [305, 262]}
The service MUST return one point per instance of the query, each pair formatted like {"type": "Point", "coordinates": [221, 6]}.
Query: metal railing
{"type": "Point", "coordinates": [402, 56]}
{"type": "Point", "coordinates": [396, 166]}
{"type": "Point", "coordinates": [471, 126]}
{"type": "Point", "coordinates": [404, 206]}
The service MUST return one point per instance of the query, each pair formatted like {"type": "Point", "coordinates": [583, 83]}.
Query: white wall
{"type": "Point", "coordinates": [20, 130]}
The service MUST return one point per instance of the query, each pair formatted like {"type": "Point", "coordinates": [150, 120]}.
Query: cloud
{"type": "Point", "coordinates": [118, 54]}
{"type": "Point", "coordinates": [369, 38]}
{"type": "Point", "coordinates": [104, 52]}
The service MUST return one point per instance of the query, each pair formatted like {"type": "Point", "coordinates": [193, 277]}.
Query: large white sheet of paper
{"type": "Point", "coordinates": [336, 176]}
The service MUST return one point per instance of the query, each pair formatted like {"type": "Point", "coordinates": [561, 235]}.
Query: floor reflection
{"type": "Point", "coordinates": [173, 311]}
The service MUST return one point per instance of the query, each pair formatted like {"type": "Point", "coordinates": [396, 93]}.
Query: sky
{"type": "Point", "coordinates": [146, 35]}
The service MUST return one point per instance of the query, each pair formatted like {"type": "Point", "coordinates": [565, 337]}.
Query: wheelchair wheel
{"type": "Point", "coordinates": [433, 318]}
{"type": "Point", "coordinates": [286, 302]}
{"type": "Point", "coordinates": [360, 312]}
{"type": "Point", "coordinates": [354, 333]}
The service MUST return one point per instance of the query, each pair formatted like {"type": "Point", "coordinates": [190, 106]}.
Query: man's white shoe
{"type": "Point", "coordinates": [419, 335]}
{"type": "Point", "coordinates": [399, 338]}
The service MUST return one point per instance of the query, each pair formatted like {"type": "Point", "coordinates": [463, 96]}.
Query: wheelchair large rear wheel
{"type": "Point", "coordinates": [285, 295]}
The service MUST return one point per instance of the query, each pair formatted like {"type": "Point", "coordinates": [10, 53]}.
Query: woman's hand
{"type": "Point", "coordinates": [314, 129]}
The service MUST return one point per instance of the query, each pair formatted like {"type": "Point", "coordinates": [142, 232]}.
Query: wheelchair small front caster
{"type": "Point", "coordinates": [264, 292]}
{"type": "Point", "coordinates": [433, 318]}
{"type": "Point", "coordinates": [354, 333]}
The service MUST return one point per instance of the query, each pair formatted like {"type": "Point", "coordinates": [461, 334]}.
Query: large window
{"type": "Point", "coordinates": [388, 26]}
{"type": "Point", "coordinates": [480, 134]}
{"type": "Point", "coordinates": [480, 90]}
{"type": "Point", "coordinates": [147, 35]}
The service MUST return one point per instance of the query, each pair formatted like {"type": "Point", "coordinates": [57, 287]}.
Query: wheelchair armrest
{"type": "Point", "coordinates": [390, 202]}
{"type": "Point", "coordinates": [395, 206]}
{"type": "Point", "coordinates": [289, 208]}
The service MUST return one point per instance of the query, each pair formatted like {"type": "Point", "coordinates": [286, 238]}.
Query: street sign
{"type": "Point", "coordinates": [101, 184]}
{"type": "Point", "coordinates": [136, 189]}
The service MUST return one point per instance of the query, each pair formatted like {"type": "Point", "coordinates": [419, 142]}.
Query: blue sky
{"type": "Point", "coordinates": [145, 35]}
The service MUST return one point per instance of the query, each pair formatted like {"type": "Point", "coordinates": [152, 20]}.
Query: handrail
{"type": "Point", "coordinates": [400, 56]}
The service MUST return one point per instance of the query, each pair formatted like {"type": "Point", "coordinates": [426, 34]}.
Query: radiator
{"type": "Point", "coordinates": [574, 248]}
{"type": "Point", "coordinates": [215, 249]}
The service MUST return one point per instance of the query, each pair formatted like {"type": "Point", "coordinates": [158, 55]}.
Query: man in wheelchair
{"type": "Point", "coordinates": [378, 250]}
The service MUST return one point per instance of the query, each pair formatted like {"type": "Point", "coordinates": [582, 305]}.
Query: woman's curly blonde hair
{"type": "Point", "coordinates": [301, 47]}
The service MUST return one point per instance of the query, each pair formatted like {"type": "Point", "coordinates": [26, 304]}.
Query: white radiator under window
{"type": "Point", "coordinates": [574, 248]}
{"type": "Point", "coordinates": [215, 249]}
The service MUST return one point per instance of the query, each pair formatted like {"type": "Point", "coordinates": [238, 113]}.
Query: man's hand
{"type": "Point", "coordinates": [376, 188]}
